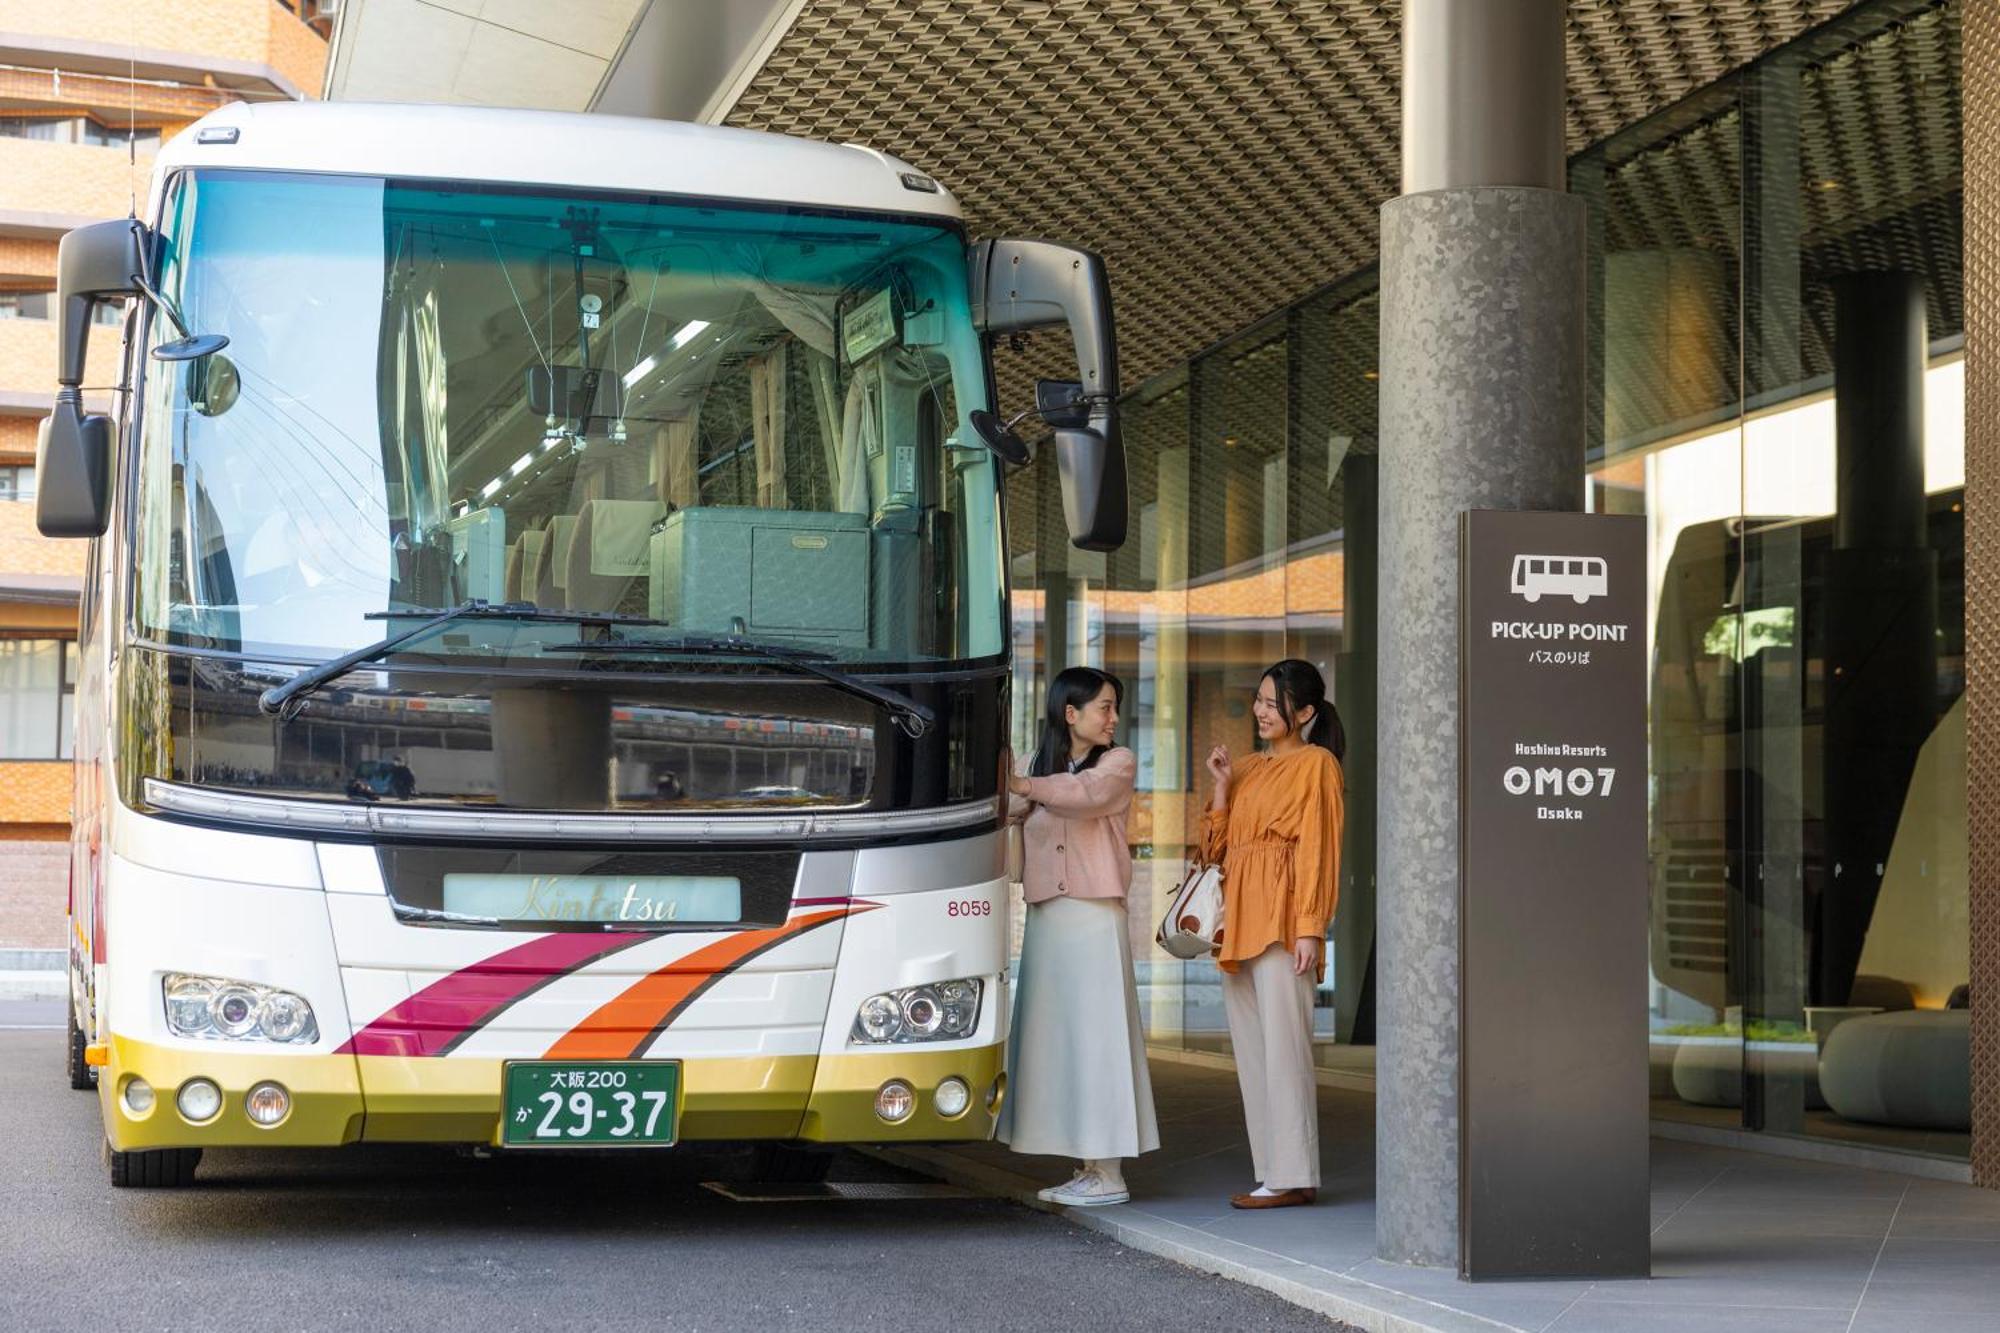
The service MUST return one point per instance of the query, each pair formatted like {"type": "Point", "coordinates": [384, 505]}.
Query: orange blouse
{"type": "Point", "coordinates": [1279, 847]}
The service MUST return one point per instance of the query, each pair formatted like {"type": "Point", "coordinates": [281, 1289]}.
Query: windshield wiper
{"type": "Point", "coordinates": [285, 701]}
{"type": "Point", "coordinates": [912, 718]}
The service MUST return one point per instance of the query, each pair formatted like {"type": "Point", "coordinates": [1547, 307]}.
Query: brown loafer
{"type": "Point", "coordinates": [1291, 1198]}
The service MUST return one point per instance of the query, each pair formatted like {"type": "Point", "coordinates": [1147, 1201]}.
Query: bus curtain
{"type": "Point", "coordinates": [674, 455]}
{"type": "Point", "coordinates": [767, 425]}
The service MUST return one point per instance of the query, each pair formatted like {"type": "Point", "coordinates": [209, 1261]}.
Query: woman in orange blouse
{"type": "Point", "coordinates": [1274, 827]}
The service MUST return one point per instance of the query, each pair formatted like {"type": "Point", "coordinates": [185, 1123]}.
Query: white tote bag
{"type": "Point", "coordinates": [1193, 920]}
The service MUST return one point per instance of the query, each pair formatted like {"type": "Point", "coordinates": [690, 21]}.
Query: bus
{"type": "Point", "coordinates": [1578, 578]}
{"type": "Point", "coordinates": [544, 641]}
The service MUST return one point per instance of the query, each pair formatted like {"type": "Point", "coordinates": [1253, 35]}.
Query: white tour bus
{"type": "Point", "coordinates": [544, 643]}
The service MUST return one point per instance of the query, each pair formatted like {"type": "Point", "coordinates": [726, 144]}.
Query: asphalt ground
{"type": "Point", "coordinates": [391, 1238]}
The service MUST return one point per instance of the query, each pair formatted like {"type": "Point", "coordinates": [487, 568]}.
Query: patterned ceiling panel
{"type": "Point", "coordinates": [1225, 156]}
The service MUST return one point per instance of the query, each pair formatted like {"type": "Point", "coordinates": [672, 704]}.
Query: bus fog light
{"type": "Point", "coordinates": [267, 1104]}
{"type": "Point", "coordinates": [952, 1098]}
{"type": "Point", "coordinates": [138, 1097]}
{"type": "Point", "coordinates": [895, 1102]}
{"type": "Point", "coordinates": [942, 1011]}
{"type": "Point", "coordinates": [218, 1009]}
{"type": "Point", "coordinates": [199, 1101]}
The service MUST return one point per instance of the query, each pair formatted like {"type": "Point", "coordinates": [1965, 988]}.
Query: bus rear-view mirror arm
{"type": "Point", "coordinates": [1021, 285]}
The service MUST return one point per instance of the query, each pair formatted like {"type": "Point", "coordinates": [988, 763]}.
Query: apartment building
{"type": "Point", "coordinates": [88, 91]}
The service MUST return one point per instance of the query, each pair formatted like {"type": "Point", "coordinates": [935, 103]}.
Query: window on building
{"type": "Point", "coordinates": [17, 482]}
{"type": "Point", "coordinates": [25, 305]}
{"type": "Point", "coordinates": [77, 129]}
{"type": "Point", "coordinates": [42, 305]}
{"type": "Point", "coordinates": [37, 698]}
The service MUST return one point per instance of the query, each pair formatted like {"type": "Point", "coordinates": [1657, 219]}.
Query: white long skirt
{"type": "Point", "coordinates": [1077, 1084]}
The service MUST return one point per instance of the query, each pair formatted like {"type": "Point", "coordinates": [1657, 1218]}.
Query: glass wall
{"type": "Point", "coordinates": [1243, 468]}
{"type": "Point", "coordinates": [1777, 386]}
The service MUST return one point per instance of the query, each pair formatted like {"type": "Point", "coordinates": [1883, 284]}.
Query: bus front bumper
{"type": "Point", "coordinates": [342, 1099]}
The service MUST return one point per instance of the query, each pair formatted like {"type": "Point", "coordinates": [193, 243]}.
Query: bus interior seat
{"type": "Point", "coordinates": [610, 548]}
{"type": "Point", "coordinates": [792, 575]}
{"type": "Point", "coordinates": [479, 553]}
{"type": "Point", "coordinates": [513, 576]}
{"type": "Point", "coordinates": [553, 572]}
{"type": "Point", "coordinates": [534, 545]}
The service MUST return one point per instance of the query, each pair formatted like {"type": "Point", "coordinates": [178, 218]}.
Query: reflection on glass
{"type": "Point", "coordinates": [730, 419]}
{"type": "Point", "coordinates": [1809, 930]}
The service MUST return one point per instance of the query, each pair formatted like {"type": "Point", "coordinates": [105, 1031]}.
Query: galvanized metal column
{"type": "Point", "coordinates": [1484, 285]}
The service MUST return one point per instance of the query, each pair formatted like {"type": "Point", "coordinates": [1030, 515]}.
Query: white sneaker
{"type": "Point", "coordinates": [1049, 1195]}
{"type": "Point", "coordinates": [1088, 1191]}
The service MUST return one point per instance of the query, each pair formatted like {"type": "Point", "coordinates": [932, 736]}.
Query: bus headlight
{"type": "Point", "coordinates": [218, 1009]}
{"type": "Point", "coordinates": [942, 1011]}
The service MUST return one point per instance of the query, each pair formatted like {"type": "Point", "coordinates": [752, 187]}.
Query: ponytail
{"type": "Point", "coordinates": [1299, 686]}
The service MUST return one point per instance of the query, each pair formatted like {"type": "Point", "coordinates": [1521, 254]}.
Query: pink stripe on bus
{"type": "Point", "coordinates": [452, 1008]}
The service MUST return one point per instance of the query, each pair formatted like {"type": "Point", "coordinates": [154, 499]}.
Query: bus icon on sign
{"type": "Point", "coordinates": [1578, 577]}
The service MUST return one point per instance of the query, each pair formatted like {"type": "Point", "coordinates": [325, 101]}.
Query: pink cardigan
{"type": "Point", "coordinates": [1075, 831]}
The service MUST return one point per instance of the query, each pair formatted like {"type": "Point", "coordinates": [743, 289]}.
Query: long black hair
{"type": "Point", "coordinates": [1073, 687]}
{"type": "Point", "coordinates": [1299, 686]}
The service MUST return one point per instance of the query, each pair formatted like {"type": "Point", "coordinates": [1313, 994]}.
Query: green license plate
{"type": "Point", "coordinates": [623, 1103]}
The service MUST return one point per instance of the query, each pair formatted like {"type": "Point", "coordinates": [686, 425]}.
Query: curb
{"type": "Point", "coordinates": [1364, 1305]}
{"type": "Point", "coordinates": [22, 985]}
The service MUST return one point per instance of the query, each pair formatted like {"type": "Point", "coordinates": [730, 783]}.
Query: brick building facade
{"type": "Point", "coordinates": [88, 90]}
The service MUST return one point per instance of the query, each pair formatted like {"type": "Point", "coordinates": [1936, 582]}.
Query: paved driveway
{"type": "Point", "coordinates": [382, 1238]}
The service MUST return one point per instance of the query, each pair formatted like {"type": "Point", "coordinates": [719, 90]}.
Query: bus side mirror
{"type": "Point", "coordinates": [73, 472]}
{"type": "Point", "coordinates": [1019, 285]}
{"type": "Point", "coordinates": [100, 262]}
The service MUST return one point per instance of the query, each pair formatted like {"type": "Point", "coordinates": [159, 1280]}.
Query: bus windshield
{"type": "Point", "coordinates": [683, 418]}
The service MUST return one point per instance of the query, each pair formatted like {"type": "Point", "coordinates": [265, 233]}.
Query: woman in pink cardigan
{"type": "Point", "coordinates": [1078, 1085]}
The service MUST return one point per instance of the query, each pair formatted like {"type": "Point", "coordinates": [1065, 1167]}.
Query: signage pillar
{"type": "Point", "coordinates": [1553, 1168]}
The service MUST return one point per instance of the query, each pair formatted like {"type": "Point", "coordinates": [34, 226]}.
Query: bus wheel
{"type": "Point", "coordinates": [784, 1164]}
{"type": "Point", "coordinates": [81, 1076]}
{"type": "Point", "coordinates": [155, 1168]}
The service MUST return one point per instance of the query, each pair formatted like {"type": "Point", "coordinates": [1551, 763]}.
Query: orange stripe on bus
{"type": "Point", "coordinates": [623, 1027]}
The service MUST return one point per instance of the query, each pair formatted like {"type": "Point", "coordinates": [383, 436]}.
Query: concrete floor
{"type": "Point", "coordinates": [1742, 1242]}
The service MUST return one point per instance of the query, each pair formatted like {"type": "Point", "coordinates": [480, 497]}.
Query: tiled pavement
{"type": "Point", "coordinates": [1742, 1242]}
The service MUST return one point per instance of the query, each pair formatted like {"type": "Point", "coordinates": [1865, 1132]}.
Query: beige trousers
{"type": "Point", "coordinates": [1270, 1027]}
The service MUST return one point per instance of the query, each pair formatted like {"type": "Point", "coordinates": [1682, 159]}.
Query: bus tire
{"type": "Point", "coordinates": [81, 1076]}
{"type": "Point", "coordinates": [155, 1168]}
{"type": "Point", "coordinates": [787, 1164]}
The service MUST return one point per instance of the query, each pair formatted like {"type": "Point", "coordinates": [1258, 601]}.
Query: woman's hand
{"type": "Point", "coordinates": [1017, 785]}
{"type": "Point", "coordinates": [1305, 954]}
{"type": "Point", "coordinates": [1219, 769]}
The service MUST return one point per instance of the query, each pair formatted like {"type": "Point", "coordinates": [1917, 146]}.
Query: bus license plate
{"type": "Point", "coordinates": [622, 1103]}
